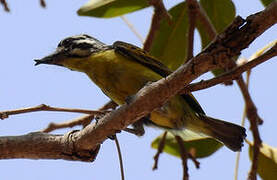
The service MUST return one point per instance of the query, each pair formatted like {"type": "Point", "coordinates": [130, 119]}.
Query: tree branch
{"type": "Point", "coordinates": [192, 11]}
{"type": "Point", "coordinates": [83, 120]}
{"type": "Point", "coordinates": [159, 151]}
{"type": "Point", "coordinates": [184, 156]}
{"type": "Point", "coordinates": [159, 13]}
{"type": "Point", "coordinates": [5, 5]}
{"type": "Point", "coordinates": [205, 20]}
{"type": "Point", "coordinates": [232, 74]}
{"type": "Point", "coordinates": [43, 107]}
{"type": "Point", "coordinates": [40, 145]}
{"type": "Point", "coordinates": [42, 3]}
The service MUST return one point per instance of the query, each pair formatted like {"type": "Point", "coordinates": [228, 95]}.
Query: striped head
{"type": "Point", "coordinates": [73, 49]}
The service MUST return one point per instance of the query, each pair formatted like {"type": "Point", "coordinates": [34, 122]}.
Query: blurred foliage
{"type": "Point", "coordinates": [170, 43]}
{"type": "Point", "coordinates": [200, 146]}
{"type": "Point", "coordinates": [267, 167]}
{"type": "Point", "coordinates": [111, 8]}
{"type": "Point", "coordinates": [266, 2]}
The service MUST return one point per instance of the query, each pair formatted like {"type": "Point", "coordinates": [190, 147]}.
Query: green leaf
{"type": "Point", "coordinates": [267, 163]}
{"type": "Point", "coordinates": [111, 8]}
{"type": "Point", "coordinates": [266, 2]}
{"type": "Point", "coordinates": [170, 42]}
{"type": "Point", "coordinates": [221, 13]}
{"type": "Point", "coordinates": [202, 146]}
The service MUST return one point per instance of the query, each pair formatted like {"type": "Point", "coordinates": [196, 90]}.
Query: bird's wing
{"type": "Point", "coordinates": [142, 57]}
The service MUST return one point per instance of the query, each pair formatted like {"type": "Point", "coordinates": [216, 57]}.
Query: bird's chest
{"type": "Point", "coordinates": [119, 80]}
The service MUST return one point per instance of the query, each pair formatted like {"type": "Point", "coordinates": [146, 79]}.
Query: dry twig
{"type": "Point", "coordinates": [184, 157]}
{"type": "Point", "coordinates": [5, 5]}
{"type": "Point", "coordinates": [42, 3]}
{"type": "Point", "coordinates": [159, 151]}
{"type": "Point", "coordinates": [83, 120]}
{"type": "Point", "coordinates": [160, 12]}
{"type": "Point", "coordinates": [43, 107]}
{"type": "Point", "coordinates": [192, 12]}
{"type": "Point", "coordinates": [205, 20]}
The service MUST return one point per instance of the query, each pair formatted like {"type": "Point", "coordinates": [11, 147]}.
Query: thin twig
{"type": "Point", "coordinates": [132, 28]}
{"type": "Point", "coordinates": [192, 19]}
{"type": "Point", "coordinates": [205, 20]}
{"type": "Point", "coordinates": [194, 160]}
{"type": "Point", "coordinates": [5, 5]}
{"type": "Point", "coordinates": [160, 12]}
{"type": "Point", "coordinates": [83, 120]}
{"type": "Point", "coordinates": [42, 3]}
{"type": "Point", "coordinates": [232, 74]}
{"type": "Point", "coordinates": [159, 151]}
{"type": "Point", "coordinates": [120, 157]}
{"type": "Point", "coordinates": [43, 107]}
{"type": "Point", "coordinates": [254, 120]}
{"type": "Point", "coordinates": [184, 157]}
{"type": "Point", "coordinates": [108, 105]}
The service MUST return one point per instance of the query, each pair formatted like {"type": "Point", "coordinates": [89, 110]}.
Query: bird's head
{"type": "Point", "coordinates": [72, 51]}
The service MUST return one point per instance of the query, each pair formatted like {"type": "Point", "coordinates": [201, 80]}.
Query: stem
{"type": "Point", "coordinates": [120, 157]}
{"type": "Point", "coordinates": [132, 28]}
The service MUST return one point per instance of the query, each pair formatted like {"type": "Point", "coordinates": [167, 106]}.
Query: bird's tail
{"type": "Point", "coordinates": [231, 135]}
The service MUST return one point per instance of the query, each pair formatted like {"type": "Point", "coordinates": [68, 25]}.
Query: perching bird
{"type": "Point", "coordinates": [121, 70]}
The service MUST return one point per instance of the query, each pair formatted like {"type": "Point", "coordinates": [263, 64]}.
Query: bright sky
{"type": "Point", "coordinates": [30, 32]}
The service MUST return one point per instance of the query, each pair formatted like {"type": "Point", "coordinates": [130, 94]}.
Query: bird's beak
{"type": "Point", "coordinates": [54, 59]}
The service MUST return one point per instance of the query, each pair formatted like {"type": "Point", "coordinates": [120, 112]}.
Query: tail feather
{"type": "Point", "coordinates": [230, 134]}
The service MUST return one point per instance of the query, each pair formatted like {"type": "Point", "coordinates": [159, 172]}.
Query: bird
{"type": "Point", "coordinates": [120, 70]}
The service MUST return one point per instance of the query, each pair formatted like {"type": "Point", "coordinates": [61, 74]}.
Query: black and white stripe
{"type": "Point", "coordinates": [80, 45]}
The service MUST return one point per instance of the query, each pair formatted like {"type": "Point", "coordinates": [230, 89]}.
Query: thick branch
{"type": "Point", "coordinates": [44, 146]}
